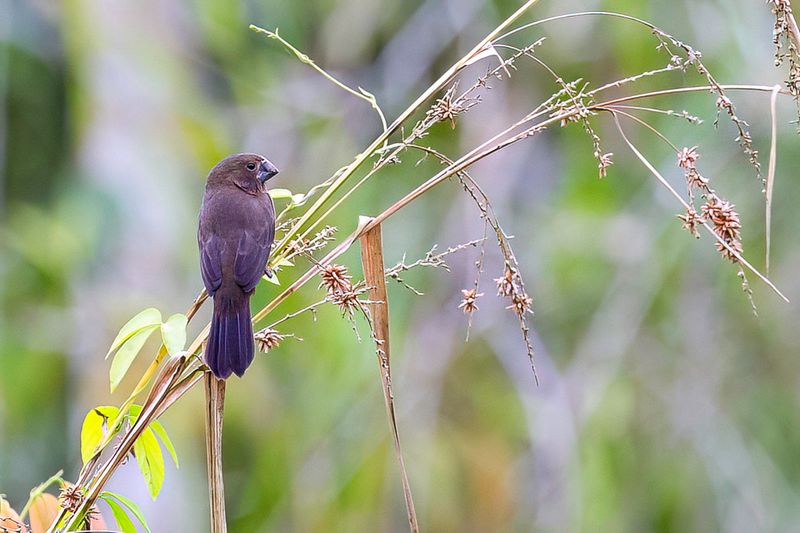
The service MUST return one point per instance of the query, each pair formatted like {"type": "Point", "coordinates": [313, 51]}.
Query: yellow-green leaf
{"type": "Point", "coordinates": [280, 194]}
{"type": "Point", "coordinates": [147, 318]}
{"type": "Point", "coordinates": [162, 434]}
{"type": "Point", "coordinates": [151, 461]}
{"type": "Point", "coordinates": [173, 333]}
{"type": "Point", "coordinates": [123, 520]}
{"type": "Point", "coordinates": [127, 353]}
{"type": "Point", "coordinates": [95, 427]}
{"type": "Point", "coordinates": [159, 429]}
{"type": "Point", "coordinates": [129, 504]}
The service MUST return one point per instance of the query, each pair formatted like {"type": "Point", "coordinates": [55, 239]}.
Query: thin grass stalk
{"type": "Point", "coordinates": [771, 169]}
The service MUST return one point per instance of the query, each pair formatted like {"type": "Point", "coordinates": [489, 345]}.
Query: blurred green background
{"type": "Point", "coordinates": [665, 405]}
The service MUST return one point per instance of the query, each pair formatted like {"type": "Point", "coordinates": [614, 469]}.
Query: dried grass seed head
{"type": "Point", "coordinates": [603, 162]}
{"type": "Point", "coordinates": [468, 302]}
{"type": "Point", "coordinates": [71, 497]}
{"type": "Point", "coordinates": [347, 301]}
{"type": "Point", "coordinates": [723, 216]}
{"type": "Point", "coordinates": [687, 157]}
{"type": "Point", "coordinates": [725, 221]}
{"type": "Point", "coordinates": [505, 283]}
{"type": "Point", "coordinates": [521, 304]}
{"type": "Point", "coordinates": [690, 221]}
{"type": "Point", "coordinates": [335, 279]}
{"type": "Point", "coordinates": [268, 339]}
{"type": "Point", "coordinates": [446, 108]}
{"type": "Point", "coordinates": [694, 180]}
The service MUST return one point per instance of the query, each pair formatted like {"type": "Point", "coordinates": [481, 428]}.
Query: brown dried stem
{"type": "Point", "coordinates": [372, 261]}
{"type": "Point", "coordinates": [215, 408]}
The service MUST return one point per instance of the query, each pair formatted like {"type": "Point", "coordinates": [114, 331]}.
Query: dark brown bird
{"type": "Point", "coordinates": [237, 227]}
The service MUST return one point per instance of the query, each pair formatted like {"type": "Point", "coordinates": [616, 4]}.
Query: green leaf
{"type": "Point", "coordinates": [129, 504]}
{"type": "Point", "coordinates": [122, 518]}
{"type": "Point", "coordinates": [173, 333]}
{"type": "Point", "coordinates": [147, 318]}
{"type": "Point", "coordinates": [127, 353]}
{"type": "Point", "coordinates": [135, 410]}
{"type": "Point", "coordinates": [95, 427]}
{"type": "Point", "coordinates": [151, 461]}
{"type": "Point", "coordinates": [162, 434]}
{"type": "Point", "coordinates": [280, 194]}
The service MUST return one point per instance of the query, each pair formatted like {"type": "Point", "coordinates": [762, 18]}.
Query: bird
{"type": "Point", "coordinates": [235, 233]}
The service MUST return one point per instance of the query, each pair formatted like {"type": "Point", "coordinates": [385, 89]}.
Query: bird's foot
{"type": "Point", "coordinates": [268, 272]}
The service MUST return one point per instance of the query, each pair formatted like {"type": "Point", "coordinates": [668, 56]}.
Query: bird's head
{"type": "Point", "coordinates": [246, 171]}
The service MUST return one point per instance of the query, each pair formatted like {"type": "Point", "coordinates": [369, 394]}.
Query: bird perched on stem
{"type": "Point", "coordinates": [236, 230]}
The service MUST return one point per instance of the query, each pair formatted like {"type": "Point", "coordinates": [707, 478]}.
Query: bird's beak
{"type": "Point", "coordinates": [266, 171]}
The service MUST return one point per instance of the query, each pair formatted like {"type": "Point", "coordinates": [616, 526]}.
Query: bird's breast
{"type": "Point", "coordinates": [230, 211]}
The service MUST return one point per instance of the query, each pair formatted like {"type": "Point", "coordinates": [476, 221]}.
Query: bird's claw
{"type": "Point", "coordinates": [268, 272]}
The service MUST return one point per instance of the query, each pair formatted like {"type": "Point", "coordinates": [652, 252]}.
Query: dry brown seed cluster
{"type": "Point", "coordinates": [716, 211]}
{"type": "Point", "coordinates": [725, 220]}
{"type": "Point", "coordinates": [347, 301]}
{"type": "Point", "coordinates": [687, 160]}
{"type": "Point", "coordinates": [687, 157]}
{"type": "Point", "coordinates": [468, 302]}
{"type": "Point", "coordinates": [510, 286]}
{"type": "Point", "coordinates": [690, 220]}
{"type": "Point", "coordinates": [505, 283]}
{"type": "Point", "coordinates": [446, 108]}
{"type": "Point", "coordinates": [521, 303]}
{"type": "Point", "coordinates": [268, 339]}
{"type": "Point", "coordinates": [71, 497]}
{"type": "Point", "coordinates": [603, 162]}
{"type": "Point", "coordinates": [92, 514]}
{"type": "Point", "coordinates": [341, 291]}
{"type": "Point", "coordinates": [335, 279]}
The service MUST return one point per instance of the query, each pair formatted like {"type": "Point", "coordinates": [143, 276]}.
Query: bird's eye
{"type": "Point", "coordinates": [251, 166]}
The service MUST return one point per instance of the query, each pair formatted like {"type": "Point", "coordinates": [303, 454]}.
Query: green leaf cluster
{"type": "Point", "coordinates": [134, 334]}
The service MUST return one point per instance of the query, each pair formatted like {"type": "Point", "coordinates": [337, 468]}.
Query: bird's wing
{"type": "Point", "coordinates": [251, 256]}
{"type": "Point", "coordinates": [210, 261]}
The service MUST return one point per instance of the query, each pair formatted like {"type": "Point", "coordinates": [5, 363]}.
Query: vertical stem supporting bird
{"type": "Point", "coordinates": [215, 405]}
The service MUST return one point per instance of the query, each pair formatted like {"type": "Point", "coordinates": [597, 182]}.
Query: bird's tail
{"type": "Point", "coordinates": [230, 347]}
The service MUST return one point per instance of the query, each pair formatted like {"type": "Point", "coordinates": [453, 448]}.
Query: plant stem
{"type": "Point", "coordinates": [372, 261]}
{"type": "Point", "coordinates": [215, 406]}
{"type": "Point", "coordinates": [39, 490]}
